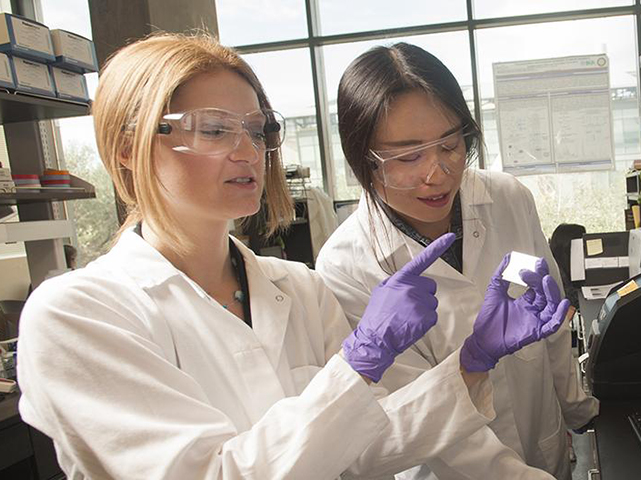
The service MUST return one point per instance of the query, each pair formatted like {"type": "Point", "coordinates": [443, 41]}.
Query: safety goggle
{"type": "Point", "coordinates": [409, 167]}
{"type": "Point", "coordinates": [214, 131]}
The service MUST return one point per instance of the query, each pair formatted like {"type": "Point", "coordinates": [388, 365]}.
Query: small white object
{"type": "Point", "coordinates": [518, 261]}
{"type": "Point", "coordinates": [6, 385]}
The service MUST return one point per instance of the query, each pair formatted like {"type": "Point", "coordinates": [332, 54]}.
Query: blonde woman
{"type": "Point", "coordinates": [180, 354]}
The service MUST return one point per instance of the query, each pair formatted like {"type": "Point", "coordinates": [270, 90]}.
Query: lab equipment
{"type": "Point", "coordinates": [614, 361]}
{"type": "Point", "coordinates": [401, 310]}
{"type": "Point", "coordinates": [635, 420]}
{"type": "Point", "coordinates": [505, 325]}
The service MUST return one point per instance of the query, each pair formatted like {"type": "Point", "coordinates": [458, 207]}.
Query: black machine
{"type": "Point", "coordinates": [614, 365]}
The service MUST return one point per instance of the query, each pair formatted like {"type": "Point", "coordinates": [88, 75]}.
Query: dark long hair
{"type": "Point", "coordinates": [374, 80]}
{"type": "Point", "coordinates": [368, 87]}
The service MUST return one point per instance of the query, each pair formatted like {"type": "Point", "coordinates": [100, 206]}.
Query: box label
{"type": "Point", "coordinates": [69, 83]}
{"type": "Point", "coordinates": [31, 35]}
{"type": "Point", "coordinates": [32, 74]}
{"type": "Point", "coordinates": [76, 48]}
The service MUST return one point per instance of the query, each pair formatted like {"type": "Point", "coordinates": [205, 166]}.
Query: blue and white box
{"type": "Point", "coordinates": [33, 77]}
{"type": "Point", "coordinates": [74, 52]}
{"type": "Point", "coordinates": [70, 85]}
{"type": "Point", "coordinates": [7, 79]}
{"type": "Point", "coordinates": [25, 38]}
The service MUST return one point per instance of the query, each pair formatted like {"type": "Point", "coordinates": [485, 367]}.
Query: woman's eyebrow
{"type": "Point", "coordinates": [412, 142]}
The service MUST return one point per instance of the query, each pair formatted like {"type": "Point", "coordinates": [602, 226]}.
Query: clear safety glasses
{"type": "Point", "coordinates": [213, 131]}
{"type": "Point", "coordinates": [409, 167]}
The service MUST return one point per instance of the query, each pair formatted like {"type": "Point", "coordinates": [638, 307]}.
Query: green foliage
{"type": "Point", "coordinates": [595, 200]}
{"type": "Point", "coordinates": [96, 220]}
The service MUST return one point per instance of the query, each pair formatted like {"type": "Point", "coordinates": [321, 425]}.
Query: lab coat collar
{"type": "Point", "coordinates": [149, 268]}
{"type": "Point", "coordinates": [269, 304]}
{"type": "Point", "coordinates": [394, 247]}
{"type": "Point", "coordinates": [142, 262]}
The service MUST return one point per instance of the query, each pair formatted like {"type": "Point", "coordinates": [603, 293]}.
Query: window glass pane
{"type": "Point", "coordinates": [95, 219]}
{"type": "Point", "coordinates": [451, 48]}
{"type": "Point", "coordinates": [293, 96]}
{"type": "Point", "coordinates": [505, 8]}
{"type": "Point", "coordinates": [338, 16]}
{"type": "Point", "coordinates": [245, 22]}
{"type": "Point", "coordinates": [595, 199]}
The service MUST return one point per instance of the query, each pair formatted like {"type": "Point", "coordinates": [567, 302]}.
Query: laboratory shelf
{"type": "Point", "coordinates": [19, 107]}
{"type": "Point", "coordinates": [20, 198]}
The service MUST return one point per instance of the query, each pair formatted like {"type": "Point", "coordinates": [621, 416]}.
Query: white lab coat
{"type": "Point", "coordinates": [136, 373]}
{"type": "Point", "coordinates": [536, 390]}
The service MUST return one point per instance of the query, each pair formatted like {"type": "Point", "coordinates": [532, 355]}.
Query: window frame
{"type": "Point", "coordinates": [315, 40]}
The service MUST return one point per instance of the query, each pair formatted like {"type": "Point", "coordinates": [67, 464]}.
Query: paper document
{"type": "Point", "coordinates": [594, 246]}
{"type": "Point", "coordinates": [577, 264]}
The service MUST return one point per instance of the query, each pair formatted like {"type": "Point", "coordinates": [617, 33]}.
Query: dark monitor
{"type": "Point", "coordinates": [614, 365]}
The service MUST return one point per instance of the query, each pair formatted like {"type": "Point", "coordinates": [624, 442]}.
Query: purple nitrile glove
{"type": "Point", "coordinates": [401, 310]}
{"type": "Point", "coordinates": [505, 325]}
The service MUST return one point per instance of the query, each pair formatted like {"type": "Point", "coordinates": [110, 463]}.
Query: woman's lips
{"type": "Point", "coordinates": [436, 201]}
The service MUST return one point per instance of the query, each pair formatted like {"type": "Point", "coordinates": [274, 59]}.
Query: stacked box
{"type": "Point", "coordinates": [33, 77]}
{"type": "Point", "coordinates": [70, 85]}
{"type": "Point", "coordinates": [7, 77]}
{"type": "Point", "coordinates": [73, 52]}
{"type": "Point", "coordinates": [25, 38]}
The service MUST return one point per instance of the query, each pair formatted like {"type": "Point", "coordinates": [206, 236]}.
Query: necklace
{"type": "Point", "coordinates": [239, 296]}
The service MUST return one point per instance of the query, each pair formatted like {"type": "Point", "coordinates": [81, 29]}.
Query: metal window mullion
{"type": "Point", "coordinates": [320, 97]}
{"type": "Point", "coordinates": [317, 39]}
{"type": "Point", "coordinates": [476, 89]}
{"type": "Point", "coordinates": [637, 18]}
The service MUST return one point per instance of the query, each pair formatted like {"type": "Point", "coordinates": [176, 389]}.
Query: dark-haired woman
{"type": "Point", "coordinates": [409, 137]}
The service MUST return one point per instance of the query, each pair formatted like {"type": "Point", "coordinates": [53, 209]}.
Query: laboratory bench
{"type": "Point", "coordinates": [25, 453]}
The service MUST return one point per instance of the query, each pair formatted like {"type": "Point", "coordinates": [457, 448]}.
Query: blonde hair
{"type": "Point", "coordinates": [135, 89]}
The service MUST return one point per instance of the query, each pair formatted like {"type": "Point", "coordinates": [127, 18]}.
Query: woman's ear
{"type": "Point", "coordinates": [125, 151]}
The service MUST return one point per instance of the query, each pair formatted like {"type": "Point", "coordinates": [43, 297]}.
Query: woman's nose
{"type": "Point", "coordinates": [245, 150]}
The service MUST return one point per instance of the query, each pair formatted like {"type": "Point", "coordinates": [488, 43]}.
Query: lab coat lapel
{"type": "Point", "coordinates": [270, 306]}
{"type": "Point", "coordinates": [474, 193]}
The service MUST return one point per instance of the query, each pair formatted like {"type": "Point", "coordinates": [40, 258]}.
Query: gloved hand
{"type": "Point", "coordinates": [584, 428]}
{"type": "Point", "coordinates": [401, 310]}
{"type": "Point", "coordinates": [505, 325]}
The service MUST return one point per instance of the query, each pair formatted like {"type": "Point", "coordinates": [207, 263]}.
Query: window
{"type": "Point", "coordinates": [596, 198]}
{"type": "Point", "coordinates": [505, 8]}
{"type": "Point", "coordinates": [338, 16]}
{"type": "Point", "coordinates": [339, 31]}
{"type": "Point", "coordinates": [243, 22]}
{"type": "Point", "coordinates": [293, 96]}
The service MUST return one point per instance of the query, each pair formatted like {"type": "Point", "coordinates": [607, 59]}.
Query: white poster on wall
{"type": "Point", "coordinates": [553, 115]}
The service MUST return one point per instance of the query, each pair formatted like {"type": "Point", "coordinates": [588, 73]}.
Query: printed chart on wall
{"type": "Point", "coordinates": [554, 114]}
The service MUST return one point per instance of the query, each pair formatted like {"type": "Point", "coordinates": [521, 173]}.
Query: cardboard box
{"type": "Point", "coordinates": [74, 52]}
{"type": "Point", "coordinates": [70, 85]}
{"type": "Point", "coordinates": [33, 77]}
{"type": "Point", "coordinates": [25, 38]}
{"type": "Point", "coordinates": [7, 76]}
